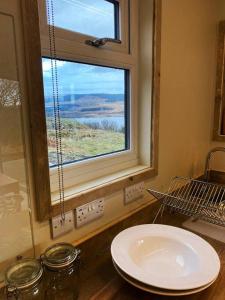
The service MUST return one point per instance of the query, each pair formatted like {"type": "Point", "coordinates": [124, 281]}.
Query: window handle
{"type": "Point", "coordinates": [101, 42]}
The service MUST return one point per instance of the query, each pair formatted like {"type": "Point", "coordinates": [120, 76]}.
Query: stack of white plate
{"type": "Point", "coordinates": [165, 260]}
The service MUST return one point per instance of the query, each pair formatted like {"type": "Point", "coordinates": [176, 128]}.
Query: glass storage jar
{"type": "Point", "coordinates": [24, 280]}
{"type": "Point", "coordinates": [61, 265]}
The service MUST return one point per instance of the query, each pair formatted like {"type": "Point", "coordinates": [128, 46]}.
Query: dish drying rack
{"type": "Point", "coordinates": [194, 198]}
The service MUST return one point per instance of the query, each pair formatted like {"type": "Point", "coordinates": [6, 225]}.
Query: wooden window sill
{"type": "Point", "coordinates": [101, 187]}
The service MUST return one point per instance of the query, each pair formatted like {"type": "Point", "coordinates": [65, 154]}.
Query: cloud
{"type": "Point", "coordinates": [47, 64]}
{"type": "Point", "coordinates": [76, 78]}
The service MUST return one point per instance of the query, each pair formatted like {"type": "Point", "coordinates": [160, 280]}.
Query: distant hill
{"type": "Point", "coordinates": [87, 105]}
{"type": "Point", "coordinates": [108, 97]}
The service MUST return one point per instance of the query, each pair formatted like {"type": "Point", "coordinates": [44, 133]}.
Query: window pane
{"type": "Point", "coordinates": [93, 110]}
{"type": "Point", "coordinates": [90, 17]}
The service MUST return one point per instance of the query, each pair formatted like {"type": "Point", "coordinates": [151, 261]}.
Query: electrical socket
{"type": "Point", "coordinates": [89, 212]}
{"type": "Point", "coordinates": [134, 192]}
{"type": "Point", "coordinates": [59, 227]}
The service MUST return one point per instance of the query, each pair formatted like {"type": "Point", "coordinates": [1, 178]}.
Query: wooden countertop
{"type": "Point", "coordinates": [100, 281]}
{"type": "Point", "coordinates": [103, 282]}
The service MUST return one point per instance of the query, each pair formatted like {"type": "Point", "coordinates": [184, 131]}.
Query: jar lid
{"type": "Point", "coordinates": [60, 255]}
{"type": "Point", "coordinates": [24, 273]}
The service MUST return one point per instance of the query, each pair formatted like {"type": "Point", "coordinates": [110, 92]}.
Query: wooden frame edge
{"type": "Point", "coordinates": [36, 111]}
{"type": "Point", "coordinates": [220, 85]}
{"type": "Point", "coordinates": [157, 21]}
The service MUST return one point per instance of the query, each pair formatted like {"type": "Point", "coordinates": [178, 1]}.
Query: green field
{"type": "Point", "coordinates": [81, 141]}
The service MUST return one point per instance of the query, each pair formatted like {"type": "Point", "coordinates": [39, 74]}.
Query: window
{"type": "Point", "coordinates": [129, 70]}
{"type": "Point", "coordinates": [93, 108]}
{"type": "Point", "coordinates": [97, 89]}
{"type": "Point", "coordinates": [79, 20]}
{"type": "Point", "coordinates": [95, 18]}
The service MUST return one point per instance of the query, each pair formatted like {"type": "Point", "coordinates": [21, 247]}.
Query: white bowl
{"type": "Point", "coordinates": [158, 291]}
{"type": "Point", "coordinates": [165, 257]}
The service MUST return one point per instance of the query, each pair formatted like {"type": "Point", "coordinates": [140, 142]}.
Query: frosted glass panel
{"type": "Point", "coordinates": [15, 231]}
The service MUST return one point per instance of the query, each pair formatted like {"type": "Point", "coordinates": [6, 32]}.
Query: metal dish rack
{"type": "Point", "coordinates": [194, 198]}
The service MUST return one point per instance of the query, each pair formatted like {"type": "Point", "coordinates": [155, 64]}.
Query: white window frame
{"type": "Point", "coordinates": [80, 38]}
{"type": "Point", "coordinates": [71, 46]}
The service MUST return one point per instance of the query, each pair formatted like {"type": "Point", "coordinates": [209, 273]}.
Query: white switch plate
{"type": "Point", "coordinates": [60, 227]}
{"type": "Point", "coordinates": [89, 212]}
{"type": "Point", "coordinates": [134, 192]}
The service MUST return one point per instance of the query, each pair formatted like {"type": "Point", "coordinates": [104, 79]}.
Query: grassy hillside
{"type": "Point", "coordinates": [81, 141]}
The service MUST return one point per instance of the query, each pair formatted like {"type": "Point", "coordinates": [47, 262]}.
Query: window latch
{"type": "Point", "coordinates": [101, 42]}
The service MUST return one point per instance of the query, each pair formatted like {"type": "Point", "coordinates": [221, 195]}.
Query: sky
{"type": "Point", "coordinates": [77, 78]}
{"type": "Point", "coordinates": [90, 17]}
